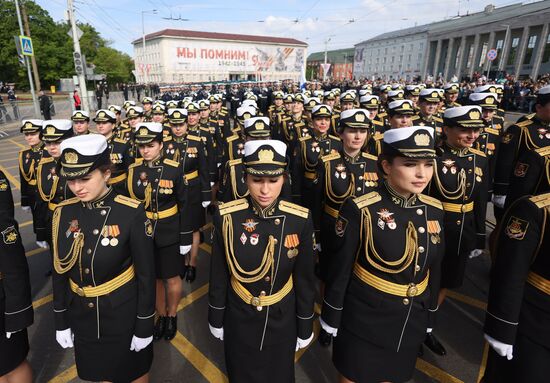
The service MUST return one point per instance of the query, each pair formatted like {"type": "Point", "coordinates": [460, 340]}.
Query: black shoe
{"type": "Point", "coordinates": [435, 345]}
{"type": "Point", "coordinates": [160, 328]}
{"type": "Point", "coordinates": [191, 274]}
{"type": "Point", "coordinates": [325, 339]}
{"type": "Point", "coordinates": [171, 328]}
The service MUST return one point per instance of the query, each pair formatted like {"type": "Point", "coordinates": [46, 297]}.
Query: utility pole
{"type": "Point", "coordinates": [33, 93]}
{"type": "Point", "coordinates": [33, 57]}
{"type": "Point", "coordinates": [325, 66]}
{"type": "Point", "coordinates": [76, 45]}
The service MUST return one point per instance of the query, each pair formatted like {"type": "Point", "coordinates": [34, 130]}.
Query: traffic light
{"type": "Point", "coordinates": [78, 64]}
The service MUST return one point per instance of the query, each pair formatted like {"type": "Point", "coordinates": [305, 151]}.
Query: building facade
{"type": "Point", "coordinates": [341, 65]}
{"type": "Point", "coordinates": [180, 56]}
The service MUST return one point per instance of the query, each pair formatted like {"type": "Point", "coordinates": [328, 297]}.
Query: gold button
{"type": "Point", "coordinates": [458, 222]}
{"type": "Point", "coordinates": [419, 211]}
{"type": "Point", "coordinates": [275, 241]}
{"type": "Point", "coordinates": [277, 221]}
{"type": "Point", "coordinates": [469, 170]}
{"type": "Point", "coordinates": [469, 158]}
{"type": "Point", "coordinates": [466, 198]}
{"type": "Point", "coordinates": [267, 279]}
{"type": "Point", "coordinates": [86, 271]}
{"type": "Point", "coordinates": [421, 230]}
{"type": "Point", "coordinates": [358, 189]}
{"type": "Point", "coordinates": [158, 170]}
{"type": "Point", "coordinates": [420, 249]}
{"type": "Point", "coordinates": [361, 177]}
{"type": "Point", "coordinates": [417, 268]}
{"type": "Point", "coordinates": [96, 232]}
{"type": "Point", "coordinates": [361, 166]}
{"type": "Point", "coordinates": [103, 212]}
{"type": "Point", "coordinates": [89, 251]}
{"type": "Point", "coordinates": [468, 184]}
{"type": "Point", "coordinates": [406, 301]}
{"type": "Point", "coordinates": [91, 305]}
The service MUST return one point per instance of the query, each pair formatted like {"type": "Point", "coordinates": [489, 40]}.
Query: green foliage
{"type": "Point", "coordinates": [54, 48]}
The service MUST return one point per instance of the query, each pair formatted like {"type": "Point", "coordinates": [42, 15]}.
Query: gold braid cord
{"type": "Point", "coordinates": [459, 192]}
{"type": "Point", "coordinates": [233, 176]}
{"type": "Point", "coordinates": [410, 253]}
{"type": "Point", "coordinates": [61, 266]}
{"type": "Point", "coordinates": [148, 195]}
{"type": "Point", "coordinates": [236, 270]}
{"type": "Point", "coordinates": [338, 199]}
{"type": "Point", "coordinates": [27, 176]}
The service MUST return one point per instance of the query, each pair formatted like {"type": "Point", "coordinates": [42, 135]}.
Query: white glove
{"type": "Point", "coordinates": [139, 344]}
{"type": "Point", "coordinates": [26, 209]}
{"type": "Point", "coordinates": [302, 343]}
{"type": "Point", "coordinates": [42, 244]}
{"type": "Point", "coordinates": [499, 200]}
{"type": "Point", "coordinates": [318, 247]}
{"type": "Point", "coordinates": [331, 330]}
{"type": "Point", "coordinates": [9, 334]}
{"type": "Point", "coordinates": [475, 253]}
{"type": "Point", "coordinates": [219, 164]}
{"type": "Point", "coordinates": [216, 332]}
{"type": "Point", "coordinates": [185, 249]}
{"type": "Point", "coordinates": [205, 204]}
{"type": "Point", "coordinates": [211, 184]}
{"type": "Point", "coordinates": [502, 349]}
{"type": "Point", "coordinates": [65, 338]}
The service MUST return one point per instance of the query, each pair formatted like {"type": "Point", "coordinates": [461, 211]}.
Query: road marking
{"type": "Point", "coordinates": [483, 362]}
{"type": "Point", "coordinates": [18, 144]}
{"type": "Point", "coordinates": [15, 183]}
{"type": "Point", "coordinates": [466, 299]}
{"type": "Point", "coordinates": [66, 376]}
{"type": "Point", "coordinates": [12, 167]}
{"type": "Point", "coordinates": [192, 297]}
{"type": "Point", "coordinates": [17, 204]}
{"type": "Point", "coordinates": [38, 250]}
{"type": "Point", "coordinates": [27, 223]}
{"type": "Point", "coordinates": [435, 372]}
{"type": "Point", "coordinates": [203, 365]}
{"type": "Point", "coordinates": [42, 301]}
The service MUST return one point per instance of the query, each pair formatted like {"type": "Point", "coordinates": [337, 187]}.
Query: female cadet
{"type": "Point", "coordinates": [261, 277]}
{"type": "Point", "coordinates": [16, 313]}
{"type": "Point", "coordinates": [189, 150]}
{"type": "Point", "coordinates": [158, 182]}
{"type": "Point", "coordinates": [384, 278]}
{"type": "Point", "coordinates": [28, 163]}
{"type": "Point", "coordinates": [104, 284]}
{"type": "Point", "coordinates": [52, 187]}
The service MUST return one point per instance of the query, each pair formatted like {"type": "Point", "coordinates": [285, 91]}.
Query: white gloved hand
{"type": "Point", "coordinates": [219, 164]}
{"type": "Point", "coordinates": [302, 343]}
{"type": "Point", "coordinates": [205, 204]}
{"type": "Point", "coordinates": [475, 253]}
{"type": "Point", "coordinates": [331, 330]}
{"type": "Point", "coordinates": [211, 184]}
{"type": "Point", "coordinates": [502, 349]}
{"type": "Point", "coordinates": [9, 334]}
{"type": "Point", "coordinates": [26, 209]}
{"type": "Point", "coordinates": [65, 338]}
{"type": "Point", "coordinates": [185, 249]}
{"type": "Point", "coordinates": [318, 247]}
{"type": "Point", "coordinates": [216, 332]}
{"type": "Point", "coordinates": [42, 244]}
{"type": "Point", "coordinates": [139, 344]}
{"type": "Point", "coordinates": [499, 200]}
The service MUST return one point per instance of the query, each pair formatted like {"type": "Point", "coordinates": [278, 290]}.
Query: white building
{"type": "Point", "coordinates": [177, 56]}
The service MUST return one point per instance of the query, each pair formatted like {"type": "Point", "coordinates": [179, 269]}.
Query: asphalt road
{"type": "Point", "coordinates": [195, 356]}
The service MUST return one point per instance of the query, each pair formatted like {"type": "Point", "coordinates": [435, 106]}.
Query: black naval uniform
{"type": "Point", "coordinates": [518, 311]}
{"type": "Point", "coordinates": [431, 121]}
{"type": "Point", "coordinates": [382, 310]}
{"type": "Point", "coordinates": [16, 312]}
{"type": "Point", "coordinates": [489, 142]}
{"type": "Point", "coordinates": [260, 340]}
{"type": "Point", "coordinates": [28, 165]}
{"type": "Point", "coordinates": [114, 239]}
{"type": "Point", "coordinates": [460, 183]}
{"type": "Point", "coordinates": [374, 141]}
{"type": "Point", "coordinates": [119, 150]}
{"type": "Point", "coordinates": [339, 176]}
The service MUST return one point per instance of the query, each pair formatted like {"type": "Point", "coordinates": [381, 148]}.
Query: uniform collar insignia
{"type": "Point", "coordinates": [264, 212]}
{"type": "Point", "coordinates": [398, 199]}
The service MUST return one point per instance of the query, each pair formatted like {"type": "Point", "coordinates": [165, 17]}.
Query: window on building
{"type": "Point", "coordinates": [513, 51]}
{"type": "Point", "coordinates": [385, 51]}
{"type": "Point", "coordinates": [411, 47]}
{"type": "Point", "coordinates": [409, 58]}
{"type": "Point", "coordinates": [531, 43]}
{"type": "Point", "coordinates": [421, 46]}
{"type": "Point", "coordinates": [401, 58]}
{"type": "Point", "coordinates": [384, 60]}
{"type": "Point", "coordinates": [546, 54]}
{"type": "Point", "coordinates": [483, 56]}
{"type": "Point", "coordinates": [499, 45]}
{"type": "Point", "coordinates": [402, 48]}
{"type": "Point", "coordinates": [419, 57]}
{"type": "Point", "coordinates": [470, 56]}
{"type": "Point", "coordinates": [393, 59]}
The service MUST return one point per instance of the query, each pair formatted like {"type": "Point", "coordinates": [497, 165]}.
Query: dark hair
{"type": "Point", "coordinates": [542, 100]}
{"type": "Point", "coordinates": [107, 167]}
{"type": "Point", "coordinates": [382, 157]}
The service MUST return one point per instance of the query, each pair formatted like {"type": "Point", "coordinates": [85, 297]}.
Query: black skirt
{"type": "Point", "coordinates": [363, 362]}
{"type": "Point", "coordinates": [249, 364]}
{"type": "Point", "coordinates": [168, 262]}
{"type": "Point", "coordinates": [13, 351]}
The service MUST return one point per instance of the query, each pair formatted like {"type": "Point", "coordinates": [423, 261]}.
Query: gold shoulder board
{"type": "Point", "coordinates": [127, 201]}
{"type": "Point", "coordinates": [369, 156]}
{"type": "Point", "coordinates": [167, 138]}
{"type": "Point", "coordinates": [193, 138]}
{"type": "Point", "coordinates": [305, 138]}
{"type": "Point", "coordinates": [69, 201]}
{"type": "Point", "coordinates": [478, 152]}
{"type": "Point", "coordinates": [524, 123]}
{"type": "Point", "coordinates": [204, 129]}
{"type": "Point", "coordinates": [45, 160]}
{"type": "Point", "coordinates": [543, 152]}
{"type": "Point", "coordinates": [415, 117]}
{"type": "Point", "coordinates": [120, 140]}
{"type": "Point", "coordinates": [292, 208]}
{"type": "Point", "coordinates": [438, 119]}
{"type": "Point", "coordinates": [170, 162]}
{"type": "Point", "coordinates": [334, 137]}
{"type": "Point", "coordinates": [232, 138]}
{"type": "Point", "coordinates": [541, 201]}
{"type": "Point", "coordinates": [230, 207]}
{"type": "Point", "coordinates": [137, 162]}
{"type": "Point", "coordinates": [330, 157]}
{"type": "Point", "coordinates": [235, 162]}
{"type": "Point", "coordinates": [430, 201]}
{"type": "Point", "coordinates": [492, 131]}
{"type": "Point", "coordinates": [378, 123]}
{"type": "Point", "coordinates": [367, 199]}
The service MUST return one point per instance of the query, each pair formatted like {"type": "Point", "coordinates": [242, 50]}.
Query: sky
{"type": "Point", "coordinates": [336, 24]}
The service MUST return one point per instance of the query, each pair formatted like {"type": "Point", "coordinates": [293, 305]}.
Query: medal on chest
{"type": "Point", "coordinates": [448, 166]}
{"type": "Point", "coordinates": [52, 174]}
{"type": "Point", "coordinates": [109, 234]}
{"type": "Point", "coordinates": [315, 147]}
{"type": "Point", "coordinates": [73, 229]}
{"type": "Point", "coordinates": [543, 133]}
{"type": "Point", "coordinates": [340, 171]}
{"type": "Point", "coordinates": [240, 149]}
{"type": "Point", "coordinates": [291, 243]}
{"type": "Point", "coordinates": [143, 179]}
{"type": "Point", "coordinates": [385, 218]}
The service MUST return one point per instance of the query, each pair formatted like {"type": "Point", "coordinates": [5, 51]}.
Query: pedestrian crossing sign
{"type": "Point", "coordinates": [26, 45]}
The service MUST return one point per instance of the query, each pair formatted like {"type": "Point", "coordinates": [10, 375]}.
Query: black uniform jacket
{"type": "Point", "coordinates": [117, 235]}
{"type": "Point", "coordinates": [374, 230]}
{"type": "Point", "coordinates": [240, 237]}
{"type": "Point", "coordinates": [522, 262]}
{"type": "Point", "coordinates": [28, 164]}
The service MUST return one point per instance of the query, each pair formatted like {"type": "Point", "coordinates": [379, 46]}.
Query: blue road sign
{"type": "Point", "coordinates": [26, 45]}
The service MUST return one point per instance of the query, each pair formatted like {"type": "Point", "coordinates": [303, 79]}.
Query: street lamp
{"type": "Point", "coordinates": [153, 11]}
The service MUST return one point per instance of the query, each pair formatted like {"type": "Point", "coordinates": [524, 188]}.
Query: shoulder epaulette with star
{"type": "Point", "coordinates": [415, 117]}
{"type": "Point", "coordinates": [232, 138]}
{"type": "Point", "coordinates": [378, 123]}
{"type": "Point", "coordinates": [194, 138]}
{"type": "Point", "coordinates": [491, 130]}
{"type": "Point", "coordinates": [367, 199]}
{"type": "Point", "coordinates": [478, 152]}
{"type": "Point", "coordinates": [330, 157]}
{"type": "Point", "coordinates": [542, 200]}
{"type": "Point", "coordinates": [46, 160]}
{"type": "Point", "coordinates": [304, 138]}
{"type": "Point", "coordinates": [369, 156]}
{"type": "Point", "coordinates": [430, 201]}
{"type": "Point", "coordinates": [120, 140]}
{"type": "Point", "coordinates": [524, 123]}
{"type": "Point", "coordinates": [334, 137]}
{"type": "Point", "coordinates": [127, 201]}
{"type": "Point", "coordinates": [69, 201]}
{"type": "Point", "coordinates": [292, 208]}
{"type": "Point", "coordinates": [437, 119]}
{"type": "Point", "coordinates": [544, 151]}
{"type": "Point", "coordinates": [529, 116]}
{"type": "Point", "coordinates": [170, 162]}
{"type": "Point", "coordinates": [235, 162]}
{"type": "Point", "coordinates": [167, 138]}
{"type": "Point", "coordinates": [137, 162]}
{"type": "Point", "coordinates": [230, 207]}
